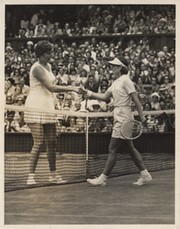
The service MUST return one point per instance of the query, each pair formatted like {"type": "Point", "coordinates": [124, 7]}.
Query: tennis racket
{"type": "Point", "coordinates": [131, 129]}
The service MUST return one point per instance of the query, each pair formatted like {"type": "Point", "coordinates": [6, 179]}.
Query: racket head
{"type": "Point", "coordinates": [131, 129]}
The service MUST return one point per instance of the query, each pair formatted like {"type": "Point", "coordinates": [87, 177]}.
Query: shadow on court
{"type": "Point", "coordinates": [119, 202]}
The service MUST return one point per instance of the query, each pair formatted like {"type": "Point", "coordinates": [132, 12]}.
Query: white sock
{"type": "Point", "coordinates": [53, 173]}
{"type": "Point", "coordinates": [31, 175]}
{"type": "Point", "coordinates": [103, 177]}
{"type": "Point", "coordinates": [144, 172]}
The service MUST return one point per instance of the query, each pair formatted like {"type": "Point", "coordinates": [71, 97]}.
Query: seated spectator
{"type": "Point", "coordinates": [62, 78]}
{"type": "Point", "coordinates": [9, 122]}
{"type": "Point", "coordinates": [142, 99]}
{"type": "Point", "coordinates": [59, 101]}
{"type": "Point", "coordinates": [24, 22]}
{"type": "Point", "coordinates": [84, 77]}
{"type": "Point", "coordinates": [20, 100]}
{"type": "Point", "coordinates": [9, 99]}
{"type": "Point", "coordinates": [11, 86]}
{"type": "Point", "coordinates": [162, 92]}
{"type": "Point", "coordinates": [173, 93]}
{"type": "Point", "coordinates": [155, 85]}
{"type": "Point", "coordinates": [24, 88]}
{"type": "Point", "coordinates": [91, 84]}
{"type": "Point", "coordinates": [139, 86]}
{"type": "Point", "coordinates": [80, 123]}
{"type": "Point", "coordinates": [68, 100]}
{"type": "Point", "coordinates": [40, 29]}
{"type": "Point", "coordinates": [147, 106]}
{"type": "Point", "coordinates": [94, 72]}
{"type": "Point", "coordinates": [67, 30]}
{"type": "Point", "coordinates": [17, 92]}
{"type": "Point", "coordinates": [169, 105]}
{"type": "Point", "coordinates": [77, 106]}
{"type": "Point", "coordinates": [74, 78]}
{"type": "Point", "coordinates": [19, 125]}
{"type": "Point", "coordinates": [155, 101]}
{"type": "Point", "coordinates": [148, 91]}
{"type": "Point", "coordinates": [103, 88]}
{"type": "Point", "coordinates": [167, 83]}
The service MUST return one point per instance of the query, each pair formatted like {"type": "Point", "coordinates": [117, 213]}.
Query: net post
{"type": "Point", "coordinates": [87, 143]}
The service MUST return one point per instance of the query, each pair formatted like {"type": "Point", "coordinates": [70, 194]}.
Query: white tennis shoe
{"type": "Point", "coordinates": [31, 181]}
{"type": "Point", "coordinates": [143, 179]}
{"type": "Point", "coordinates": [98, 181]}
{"type": "Point", "coordinates": [57, 180]}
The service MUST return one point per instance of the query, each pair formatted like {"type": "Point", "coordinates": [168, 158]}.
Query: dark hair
{"type": "Point", "coordinates": [12, 81]}
{"type": "Point", "coordinates": [42, 47]}
{"type": "Point", "coordinates": [124, 70]}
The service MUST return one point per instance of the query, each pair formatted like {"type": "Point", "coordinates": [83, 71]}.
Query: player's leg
{"type": "Point", "coordinates": [136, 157]}
{"type": "Point", "coordinates": [114, 147]}
{"type": "Point", "coordinates": [38, 141]}
{"type": "Point", "coordinates": [51, 143]}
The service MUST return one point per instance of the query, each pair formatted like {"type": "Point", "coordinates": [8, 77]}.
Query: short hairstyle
{"type": "Point", "coordinates": [42, 47]}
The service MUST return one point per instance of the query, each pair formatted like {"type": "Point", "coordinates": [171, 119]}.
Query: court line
{"type": "Point", "coordinates": [94, 216]}
{"type": "Point", "coordinates": [108, 204]}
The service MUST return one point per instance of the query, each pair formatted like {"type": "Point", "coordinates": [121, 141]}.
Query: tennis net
{"type": "Point", "coordinates": [82, 145]}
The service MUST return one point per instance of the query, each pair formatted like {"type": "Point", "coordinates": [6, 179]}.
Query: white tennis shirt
{"type": "Point", "coordinates": [121, 89]}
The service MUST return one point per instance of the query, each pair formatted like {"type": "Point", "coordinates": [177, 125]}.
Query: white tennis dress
{"type": "Point", "coordinates": [40, 98]}
{"type": "Point", "coordinates": [121, 89]}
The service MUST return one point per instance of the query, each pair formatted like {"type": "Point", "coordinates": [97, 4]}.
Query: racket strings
{"type": "Point", "coordinates": [131, 129]}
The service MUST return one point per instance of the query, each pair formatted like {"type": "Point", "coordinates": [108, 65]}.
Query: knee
{"type": "Point", "coordinates": [38, 144]}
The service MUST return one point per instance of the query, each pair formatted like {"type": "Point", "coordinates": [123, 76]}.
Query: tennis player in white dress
{"type": "Point", "coordinates": [43, 126]}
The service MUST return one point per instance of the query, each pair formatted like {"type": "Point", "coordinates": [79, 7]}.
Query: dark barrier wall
{"type": "Point", "coordinates": [98, 143]}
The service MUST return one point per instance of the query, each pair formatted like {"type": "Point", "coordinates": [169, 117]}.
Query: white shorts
{"type": "Point", "coordinates": [121, 115]}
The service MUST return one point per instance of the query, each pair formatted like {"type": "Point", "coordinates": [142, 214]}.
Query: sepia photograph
{"type": "Point", "coordinates": [89, 112]}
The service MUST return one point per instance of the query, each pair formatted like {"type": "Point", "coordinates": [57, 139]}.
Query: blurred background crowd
{"type": "Point", "coordinates": [76, 20]}
{"type": "Point", "coordinates": [85, 63]}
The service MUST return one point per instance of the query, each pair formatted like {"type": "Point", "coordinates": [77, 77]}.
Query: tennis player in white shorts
{"type": "Point", "coordinates": [123, 92]}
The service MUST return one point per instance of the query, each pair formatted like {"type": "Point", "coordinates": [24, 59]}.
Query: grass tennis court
{"type": "Point", "coordinates": [119, 202]}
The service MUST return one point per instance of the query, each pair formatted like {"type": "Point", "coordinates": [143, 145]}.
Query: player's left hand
{"type": "Point", "coordinates": [143, 120]}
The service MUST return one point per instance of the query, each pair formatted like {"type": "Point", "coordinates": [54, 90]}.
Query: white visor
{"type": "Point", "coordinates": [116, 61]}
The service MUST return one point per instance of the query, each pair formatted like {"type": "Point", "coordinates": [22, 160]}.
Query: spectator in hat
{"type": "Point", "coordinates": [162, 92]}
{"type": "Point", "coordinates": [155, 101]}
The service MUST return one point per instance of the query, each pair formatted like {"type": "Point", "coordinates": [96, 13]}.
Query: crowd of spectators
{"type": "Point", "coordinates": [86, 64]}
{"type": "Point", "coordinates": [97, 20]}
